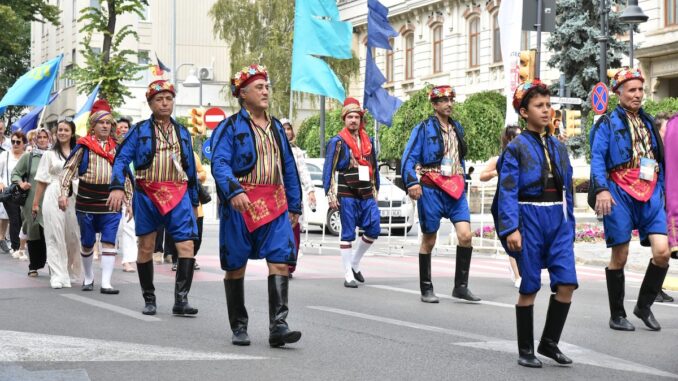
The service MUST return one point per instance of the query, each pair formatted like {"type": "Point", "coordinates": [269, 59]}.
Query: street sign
{"type": "Point", "coordinates": [213, 117]}
{"type": "Point", "coordinates": [566, 101]}
{"type": "Point", "coordinates": [548, 17]}
{"type": "Point", "coordinates": [206, 149]}
{"type": "Point", "coordinates": [599, 98]}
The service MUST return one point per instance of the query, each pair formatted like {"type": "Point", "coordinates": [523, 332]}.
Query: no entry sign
{"type": "Point", "coordinates": [599, 98]}
{"type": "Point", "coordinates": [213, 117]}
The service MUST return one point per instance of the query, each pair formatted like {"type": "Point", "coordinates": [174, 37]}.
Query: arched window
{"type": "Point", "coordinates": [409, 56]}
{"type": "Point", "coordinates": [474, 42]}
{"type": "Point", "coordinates": [496, 39]}
{"type": "Point", "coordinates": [437, 48]}
{"type": "Point", "coordinates": [389, 62]}
{"type": "Point", "coordinates": [671, 12]}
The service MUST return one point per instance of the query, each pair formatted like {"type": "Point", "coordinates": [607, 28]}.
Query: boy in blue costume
{"type": "Point", "coordinates": [627, 174]}
{"type": "Point", "coordinates": [534, 217]}
{"type": "Point", "coordinates": [433, 173]}
{"type": "Point", "coordinates": [260, 195]}
{"type": "Point", "coordinates": [166, 192]}
{"type": "Point", "coordinates": [351, 182]}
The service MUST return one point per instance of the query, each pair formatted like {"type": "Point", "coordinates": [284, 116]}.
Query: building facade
{"type": "Point", "coordinates": [196, 48]}
{"type": "Point", "coordinates": [452, 42]}
{"type": "Point", "coordinates": [657, 47]}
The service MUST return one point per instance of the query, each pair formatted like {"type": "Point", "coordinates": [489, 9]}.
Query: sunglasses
{"type": "Point", "coordinates": [66, 119]}
{"type": "Point", "coordinates": [17, 142]}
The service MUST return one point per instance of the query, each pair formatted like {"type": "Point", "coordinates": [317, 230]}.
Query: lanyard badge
{"type": "Point", "coordinates": [648, 167]}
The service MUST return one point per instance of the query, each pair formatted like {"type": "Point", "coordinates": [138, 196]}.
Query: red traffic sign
{"type": "Point", "coordinates": [599, 98]}
{"type": "Point", "coordinates": [213, 117]}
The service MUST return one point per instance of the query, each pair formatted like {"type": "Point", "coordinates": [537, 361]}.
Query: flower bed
{"type": "Point", "coordinates": [583, 233]}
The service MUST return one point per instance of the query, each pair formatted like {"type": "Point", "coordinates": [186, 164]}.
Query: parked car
{"type": "Point", "coordinates": [395, 207]}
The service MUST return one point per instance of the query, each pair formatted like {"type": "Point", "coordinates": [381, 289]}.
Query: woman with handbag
{"type": "Point", "coordinates": [24, 176]}
{"type": "Point", "coordinates": [8, 161]}
{"type": "Point", "coordinates": [62, 236]}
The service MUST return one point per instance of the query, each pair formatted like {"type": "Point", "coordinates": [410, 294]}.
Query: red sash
{"type": "Point", "coordinates": [267, 202]}
{"type": "Point", "coordinates": [629, 180]}
{"type": "Point", "coordinates": [452, 185]}
{"type": "Point", "coordinates": [165, 195]}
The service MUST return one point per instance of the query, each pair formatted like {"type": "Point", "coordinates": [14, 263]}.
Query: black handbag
{"type": "Point", "coordinates": [203, 195]}
{"type": "Point", "coordinates": [13, 192]}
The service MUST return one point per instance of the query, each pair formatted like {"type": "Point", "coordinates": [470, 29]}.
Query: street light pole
{"type": "Point", "coordinates": [632, 15]}
{"type": "Point", "coordinates": [602, 74]}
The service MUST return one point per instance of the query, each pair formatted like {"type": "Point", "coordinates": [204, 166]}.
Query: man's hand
{"type": "Point", "coordinates": [334, 204]}
{"type": "Point", "coordinates": [604, 202]}
{"type": "Point", "coordinates": [240, 202]}
{"type": "Point", "coordinates": [294, 219]}
{"type": "Point", "coordinates": [115, 200]}
{"type": "Point", "coordinates": [25, 185]}
{"type": "Point", "coordinates": [414, 192]}
{"type": "Point", "coordinates": [2, 187]}
{"type": "Point", "coordinates": [63, 203]}
{"type": "Point", "coordinates": [515, 241]}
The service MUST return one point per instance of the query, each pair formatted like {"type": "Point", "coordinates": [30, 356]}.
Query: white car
{"type": "Point", "coordinates": [396, 208]}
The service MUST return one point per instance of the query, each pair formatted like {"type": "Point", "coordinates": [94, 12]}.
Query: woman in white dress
{"type": "Point", "coordinates": [62, 234]}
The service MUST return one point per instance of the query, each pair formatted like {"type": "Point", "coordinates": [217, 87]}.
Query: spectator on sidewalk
{"type": "Point", "coordinates": [8, 161]}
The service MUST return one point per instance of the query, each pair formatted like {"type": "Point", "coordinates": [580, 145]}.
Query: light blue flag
{"type": "Point", "coordinates": [34, 87]}
{"type": "Point", "coordinates": [30, 121]}
{"type": "Point", "coordinates": [319, 32]}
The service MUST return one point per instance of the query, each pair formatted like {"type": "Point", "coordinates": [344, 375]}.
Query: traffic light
{"type": "Point", "coordinates": [197, 121]}
{"type": "Point", "coordinates": [527, 61]}
{"type": "Point", "coordinates": [572, 122]}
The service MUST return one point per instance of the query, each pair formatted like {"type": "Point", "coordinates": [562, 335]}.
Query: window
{"type": "Point", "coordinates": [496, 39]}
{"type": "Point", "coordinates": [409, 56]}
{"type": "Point", "coordinates": [474, 42]}
{"type": "Point", "coordinates": [74, 9]}
{"type": "Point", "coordinates": [671, 12]}
{"type": "Point", "coordinates": [525, 40]}
{"type": "Point", "coordinates": [437, 48]}
{"type": "Point", "coordinates": [144, 60]}
{"type": "Point", "coordinates": [389, 62]}
{"type": "Point", "coordinates": [95, 4]}
{"type": "Point", "coordinates": [146, 13]}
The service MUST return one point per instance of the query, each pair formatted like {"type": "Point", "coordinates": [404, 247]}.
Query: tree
{"type": "Point", "coordinates": [15, 40]}
{"type": "Point", "coordinates": [112, 65]}
{"type": "Point", "coordinates": [575, 47]}
{"type": "Point", "coordinates": [262, 32]}
{"type": "Point", "coordinates": [308, 136]}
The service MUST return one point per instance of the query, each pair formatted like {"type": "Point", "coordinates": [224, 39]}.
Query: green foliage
{"type": "Point", "coordinates": [575, 46]}
{"type": "Point", "coordinates": [393, 140]}
{"type": "Point", "coordinates": [494, 98]}
{"type": "Point", "coordinates": [262, 32]}
{"type": "Point", "coordinates": [668, 105]}
{"type": "Point", "coordinates": [483, 123]}
{"type": "Point", "coordinates": [15, 41]}
{"type": "Point", "coordinates": [113, 65]}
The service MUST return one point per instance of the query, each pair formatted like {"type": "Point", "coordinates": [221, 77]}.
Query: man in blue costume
{"type": "Point", "coordinates": [534, 217]}
{"type": "Point", "coordinates": [260, 193]}
{"type": "Point", "coordinates": [351, 181]}
{"type": "Point", "coordinates": [627, 173]}
{"type": "Point", "coordinates": [433, 173]}
{"type": "Point", "coordinates": [166, 192]}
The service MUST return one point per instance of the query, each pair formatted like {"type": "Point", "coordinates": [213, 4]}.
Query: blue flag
{"type": "Point", "coordinates": [34, 87]}
{"type": "Point", "coordinates": [377, 100]}
{"type": "Point", "coordinates": [318, 32]}
{"type": "Point", "coordinates": [30, 121]}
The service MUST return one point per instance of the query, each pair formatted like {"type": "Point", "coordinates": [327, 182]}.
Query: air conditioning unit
{"type": "Point", "coordinates": [206, 73]}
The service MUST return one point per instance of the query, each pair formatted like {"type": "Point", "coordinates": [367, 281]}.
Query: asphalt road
{"type": "Point", "coordinates": [380, 331]}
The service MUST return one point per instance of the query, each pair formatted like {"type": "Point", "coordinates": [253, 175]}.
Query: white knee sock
{"type": "Point", "coordinates": [107, 265]}
{"type": "Point", "coordinates": [88, 273]}
{"type": "Point", "coordinates": [363, 245]}
{"type": "Point", "coordinates": [346, 255]}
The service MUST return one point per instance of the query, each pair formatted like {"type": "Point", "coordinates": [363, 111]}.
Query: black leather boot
{"type": "Point", "coordinates": [425, 284]}
{"type": "Point", "coordinates": [555, 321]}
{"type": "Point", "coordinates": [652, 284]}
{"type": "Point", "coordinates": [663, 297]}
{"type": "Point", "coordinates": [182, 286]}
{"type": "Point", "coordinates": [280, 333]}
{"type": "Point", "coordinates": [463, 264]}
{"type": "Point", "coordinates": [615, 294]}
{"type": "Point", "coordinates": [237, 314]}
{"type": "Point", "coordinates": [145, 271]}
{"type": "Point", "coordinates": [524, 323]}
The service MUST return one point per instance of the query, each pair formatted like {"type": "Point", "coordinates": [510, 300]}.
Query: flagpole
{"type": "Point", "coordinates": [42, 115]}
{"type": "Point", "coordinates": [289, 115]}
{"type": "Point", "coordinates": [322, 126]}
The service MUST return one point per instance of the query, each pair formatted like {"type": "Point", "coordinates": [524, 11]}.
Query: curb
{"type": "Point", "coordinates": [670, 283]}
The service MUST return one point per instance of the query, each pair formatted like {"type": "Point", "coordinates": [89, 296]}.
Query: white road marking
{"type": "Point", "coordinates": [578, 354]}
{"type": "Point", "coordinates": [31, 346]}
{"type": "Point", "coordinates": [111, 307]}
{"type": "Point", "coordinates": [413, 292]}
{"type": "Point", "coordinates": [656, 303]}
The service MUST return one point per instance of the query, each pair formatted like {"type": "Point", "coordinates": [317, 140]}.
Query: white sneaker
{"type": "Point", "coordinates": [16, 254]}
{"type": "Point", "coordinates": [23, 256]}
